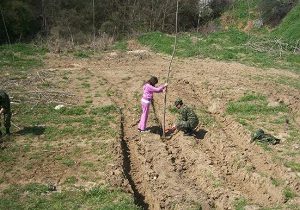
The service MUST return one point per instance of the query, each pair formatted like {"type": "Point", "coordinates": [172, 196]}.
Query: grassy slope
{"type": "Point", "coordinates": [289, 29]}
{"type": "Point", "coordinates": [241, 12]}
{"type": "Point", "coordinates": [240, 40]}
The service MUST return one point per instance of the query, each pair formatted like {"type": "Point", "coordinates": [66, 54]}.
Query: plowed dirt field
{"type": "Point", "coordinates": [215, 168]}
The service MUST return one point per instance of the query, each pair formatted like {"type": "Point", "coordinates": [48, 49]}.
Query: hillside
{"type": "Point", "coordinates": [289, 29]}
{"type": "Point", "coordinates": [248, 16]}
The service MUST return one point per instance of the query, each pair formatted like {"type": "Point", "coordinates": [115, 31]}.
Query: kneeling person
{"type": "Point", "coordinates": [187, 120]}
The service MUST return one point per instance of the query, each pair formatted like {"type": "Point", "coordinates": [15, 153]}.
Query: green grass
{"type": "Point", "coordinates": [121, 45]}
{"type": "Point", "coordinates": [295, 166]}
{"type": "Point", "coordinates": [158, 41]}
{"type": "Point", "coordinates": [242, 10]}
{"type": "Point", "coordinates": [37, 196]}
{"type": "Point", "coordinates": [253, 112]}
{"type": "Point", "coordinates": [295, 83]}
{"type": "Point", "coordinates": [18, 58]}
{"type": "Point", "coordinates": [81, 55]}
{"type": "Point", "coordinates": [50, 130]}
{"type": "Point", "coordinates": [172, 109]}
{"type": "Point", "coordinates": [257, 48]}
{"type": "Point", "coordinates": [276, 182]}
{"type": "Point", "coordinates": [289, 194]}
{"type": "Point", "coordinates": [7, 157]}
{"type": "Point", "coordinates": [205, 118]}
{"type": "Point", "coordinates": [253, 109]}
{"type": "Point", "coordinates": [231, 45]}
{"type": "Point", "coordinates": [46, 131]}
{"type": "Point", "coordinates": [71, 180]}
{"type": "Point", "coordinates": [289, 29]}
{"type": "Point", "coordinates": [240, 204]}
{"type": "Point", "coordinates": [64, 121]}
{"type": "Point", "coordinates": [72, 111]}
{"type": "Point", "coordinates": [253, 105]}
{"type": "Point", "coordinates": [68, 162]}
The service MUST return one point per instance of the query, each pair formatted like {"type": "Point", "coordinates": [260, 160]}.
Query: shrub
{"type": "Point", "coordinates": [274, 11]}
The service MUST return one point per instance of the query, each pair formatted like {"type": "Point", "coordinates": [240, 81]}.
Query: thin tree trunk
{"type": "Point", "coordinates": [94, 30]}
{"type": "Point", "coordinates": [5, 27]}
{"type": "Point", "coordinates": [167, 80]}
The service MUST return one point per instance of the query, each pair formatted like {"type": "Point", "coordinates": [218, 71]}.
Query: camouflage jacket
{"type": "Point", "coordinates": [188, 114]}
{"type": "Point", "coordinates": [261, 136]}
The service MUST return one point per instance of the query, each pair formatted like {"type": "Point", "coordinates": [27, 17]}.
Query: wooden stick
{"type": "Point", "coordinates": [174, 49]}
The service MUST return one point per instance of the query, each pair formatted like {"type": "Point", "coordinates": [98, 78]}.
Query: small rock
{"type": "Point", "coordinates": [59, 107]}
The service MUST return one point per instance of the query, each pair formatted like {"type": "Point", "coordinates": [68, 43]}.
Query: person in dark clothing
{"type": "Point", "coordinates": [5, 111]}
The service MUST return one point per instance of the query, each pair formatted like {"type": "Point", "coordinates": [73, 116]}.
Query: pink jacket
{"type": "Point", "coordinates": [149, 90]}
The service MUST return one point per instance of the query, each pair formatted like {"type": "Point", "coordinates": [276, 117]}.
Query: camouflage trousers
{"type": "Point", "coordinates": [266, 138]}
{"type": "Point", "coordinates": [186, 125]}
{"type": "Point", "coordinates": [7, 119]}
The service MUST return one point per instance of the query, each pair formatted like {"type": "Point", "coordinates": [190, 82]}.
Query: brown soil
{"type": "Point", "coordinates": [214, 168]}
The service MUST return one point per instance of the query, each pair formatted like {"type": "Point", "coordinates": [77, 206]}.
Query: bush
{"type": "Point", "coordinates": [274, 11]}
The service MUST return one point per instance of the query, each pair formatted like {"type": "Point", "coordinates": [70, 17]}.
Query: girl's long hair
{"type": "Point", "coordinates": [152, 81]}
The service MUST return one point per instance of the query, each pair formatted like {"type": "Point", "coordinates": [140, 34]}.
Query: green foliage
{"type": "Point", "coordinates": [289, 29]}
{"type": "Point", "coordinates": [205, 118]}
{"type": "Point", "coordinates": [23, 49]}
{"type": "Point", "coordinates": [274, 11]}
{"type": "Point", "coordinates": [255, 48]}
{"type": "Point", "coordinates": [108, 27]}
{"type": "Point", "coordinates": [240, 10]}
{"type": "Point", "coordinates": [229, 38]}
{"type": "Point", "coordinates": [20, 21]}
{"type": "Point", "coordinates": [65, 121]}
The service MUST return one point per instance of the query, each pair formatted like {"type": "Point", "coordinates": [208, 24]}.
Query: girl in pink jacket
{"type": "Point", "coordinates": [148, 90]}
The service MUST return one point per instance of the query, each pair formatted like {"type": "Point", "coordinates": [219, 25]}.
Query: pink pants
{"type": "Point", "coordinates": [144, 116]}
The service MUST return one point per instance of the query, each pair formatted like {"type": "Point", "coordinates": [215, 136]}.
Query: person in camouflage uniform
{"type": "Point", "coordinates": [187, 120]}
{"type": "Point", "coordinates": [261, 136]}
{"type": "Point", "coordinates": [5, 110]}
